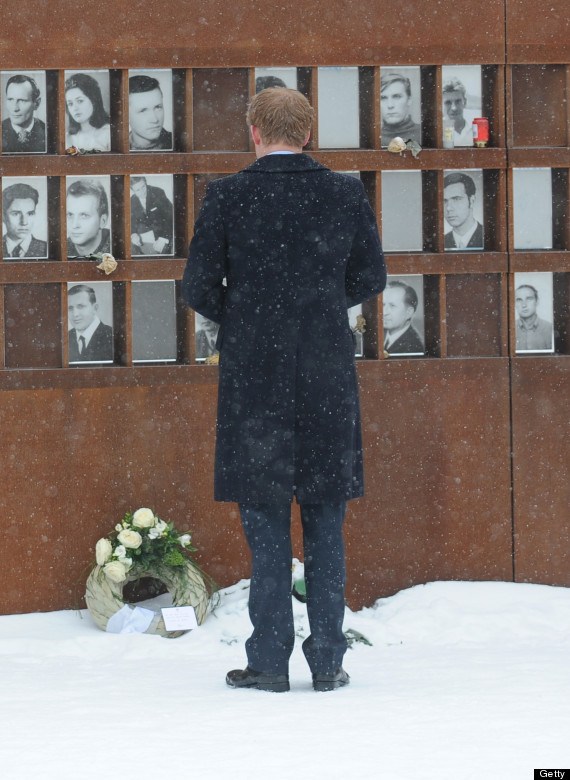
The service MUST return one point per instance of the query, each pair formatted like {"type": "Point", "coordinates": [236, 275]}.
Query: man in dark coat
{"type": "Point", "coordinates": [90, 340]}
{"type": "Point", "coordinates": [297, 245]}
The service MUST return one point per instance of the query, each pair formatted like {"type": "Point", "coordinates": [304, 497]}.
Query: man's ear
{"type": "Point", "coordinates": [103, 220]}
{"type": "Point", "coordinates": [256, 135]}
{"type": "Point", "coordinates": [307, 138]}
{"type": "Point", "coordinates": [37, 103]}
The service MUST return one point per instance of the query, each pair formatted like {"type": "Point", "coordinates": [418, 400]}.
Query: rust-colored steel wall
{"type": "Point", "coordinates": [466, 451]}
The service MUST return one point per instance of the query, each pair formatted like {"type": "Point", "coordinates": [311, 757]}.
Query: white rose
{"type": "Point", "coordinates": [120, 551]}
{"type": "Point", "coordinates": [184, 540]}
{"type": "Point", "coordinates": [103, 551]}
{"type": "Point", "coordinates": [115, 571]}
{"type": "Point", "coordinates": [127, 562]}
{"type": "Point", "coordinates": [143, 518]}
{"type": "Point", "coordinates": [159, 529]}
{"type": "Point", "coordinates": [118, 527]}
{"type": "Point", "coordinates": [130, 538]}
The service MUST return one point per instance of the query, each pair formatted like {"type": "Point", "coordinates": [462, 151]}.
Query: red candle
{"type": "Point", "coordinates": [480, 131]}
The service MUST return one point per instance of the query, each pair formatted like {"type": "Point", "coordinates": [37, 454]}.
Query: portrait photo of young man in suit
{"type": "Point", "coordinates": [152, 215]}
{"type": "Point", "coordinates": [23, 132]}
{"type": "Point", "coordinates": [90, 340]}
{"type": "Point", "coordinates": [459, 204]}
{"type": "Point", "coordinates": [21, 215]}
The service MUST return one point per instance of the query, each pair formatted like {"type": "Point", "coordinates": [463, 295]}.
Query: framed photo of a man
{"type": "Point", "coordinates": [206, 333]}
{"type": "Point", "coordinates": [400, 104]}
{"type": "Point", "coordinates": [87, 110]}
{"type": "Point", "coordinates": [534, 311]}
{"type": "Point", "coordinates": [357, 326]}
{"type": "Point", "coordinates": [89, 311]}
{"type": "Point", "coordinates": [24, 218]}
{"type": "Point", "coordinates": [404, 316]}
{"type": "Point", "coordinates": [154, 321]}
{"type": "Point", "coordinates": [23, 112]}
{"type": "Point", "coordinates": [275, 77]}
{"type": "Point", "coordinates": [338, 114]}
{"type": "Point", "coordinates": [461, 100]}
{"type": "Point", "coordinates": [88, 215]}
{"type": "Point", "coordinates": [150, 110]}
{"type": "Point", "coordinates": [152, 214]}
{"type": "Point", "coordinates": [463, 210]}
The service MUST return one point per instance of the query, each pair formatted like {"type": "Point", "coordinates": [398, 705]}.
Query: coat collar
{"type": "Point", "coordinates": [279, 163]}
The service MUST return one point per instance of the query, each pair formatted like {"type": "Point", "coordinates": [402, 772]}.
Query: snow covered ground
{"type": "Point", "coordinates": [464, 681]}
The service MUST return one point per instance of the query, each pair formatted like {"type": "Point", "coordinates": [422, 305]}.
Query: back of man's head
{"type": "Point", "coordinates": [281, 115]}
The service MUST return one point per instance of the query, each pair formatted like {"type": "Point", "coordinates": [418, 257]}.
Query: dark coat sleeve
{"type": "Point", "coordinates": [202, 286]}
{"type": "Point", "coordinates": [366, 270]}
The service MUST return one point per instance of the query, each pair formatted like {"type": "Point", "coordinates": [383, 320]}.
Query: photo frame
{"type": "Point", "coordinates": [154, 321]}
{"type": "Point", "coordinates": [90, 322]}
{"type": "Point", "coordinates": [534, 312]}
{"type": "Point", "coordinates": [150, 110]}
{"type": "Point", "coordinates": [205, 335]}
{"type": "Point", "coordinates": [354, 313]}
{"type": "Point", "coordinates": [338, 108]}
{"type": "Point", "coordinates": [404, 316]}
{"type": "Point", "coordinates": [275, 77]}
{"type": "Point", "coordinates": [463, 215]}
{"type": "Point", "coordinates": [400, 104]}
{"type": "Point", "coordinates": [87, 110]}
{"type": "Point", "coordinates": [88, 215]}
{"type": "Point", "coordinates": [402, 211]}
{"type": "Point", "coordinates": [461, 100]}
{"type": "Point", "coordinates": [24, 114]}
{"type": "Point", "coordinates": [532, 208]}
{"type": "Point", "coordinates": [25, 223]}
{"type": "Point", "coordinates": [152, 215]}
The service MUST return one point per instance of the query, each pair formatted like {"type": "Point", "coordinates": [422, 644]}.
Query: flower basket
{"type": "Point", "coordinates": [160, 553]}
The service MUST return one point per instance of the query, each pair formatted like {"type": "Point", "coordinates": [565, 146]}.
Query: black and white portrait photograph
{"type": "Point", "coordinates": [87, 110]}
{"type": "Point", "coordinates": [24, 218]}
{"type": "Point", "coordinates": [152, 214]}
{"type": "Point", "coordinates": [402, 211]}
{"type": "Point", "coordinates": [400, 104]}
{"type": "Point", "coordinates": [154, 321]}
{"type": "Point", "coordinates": [532, 208]}
{"type": "Point", "coordinates": [534, 312]}
{"type": "Point", "coordinates": [150, 110]}
{"type": "Point", "coordinates": [88, 215]}
{"type": "Point", "coordinates": [358, 328]}
{"type": "Point", "coordinates": [90, 320]}
{"type": "Point", "coordinates": [23, 112]}
{"type": "Point", "coordinates": [338, 112]}
{"type": "Point", "coordinates": [461, 100]}
{"type": "Point", "coordinates": [403, 315]}
{"type": "Point", "coordinates": [463, 210]}
{"type": "Point", "coordinates": [206, 333]}
{"type": "Point", "coordinates": [275, 77]}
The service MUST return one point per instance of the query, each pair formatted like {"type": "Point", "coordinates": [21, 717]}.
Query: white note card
{"type": "Point", "coordinates": [179, 618]}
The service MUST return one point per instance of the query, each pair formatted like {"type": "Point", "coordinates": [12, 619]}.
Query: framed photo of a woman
{"type": "Point", "coordinates": [87, 105]}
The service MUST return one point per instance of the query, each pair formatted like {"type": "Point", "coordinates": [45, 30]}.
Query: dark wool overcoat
{"type": "Point", "coordinates": [280, 251]}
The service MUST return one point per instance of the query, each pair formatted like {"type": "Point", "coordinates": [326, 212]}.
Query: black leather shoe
{"type": "Point", "coordinates": [328, 682]}
{"type": "Point", "coordinates": [249, 678]}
